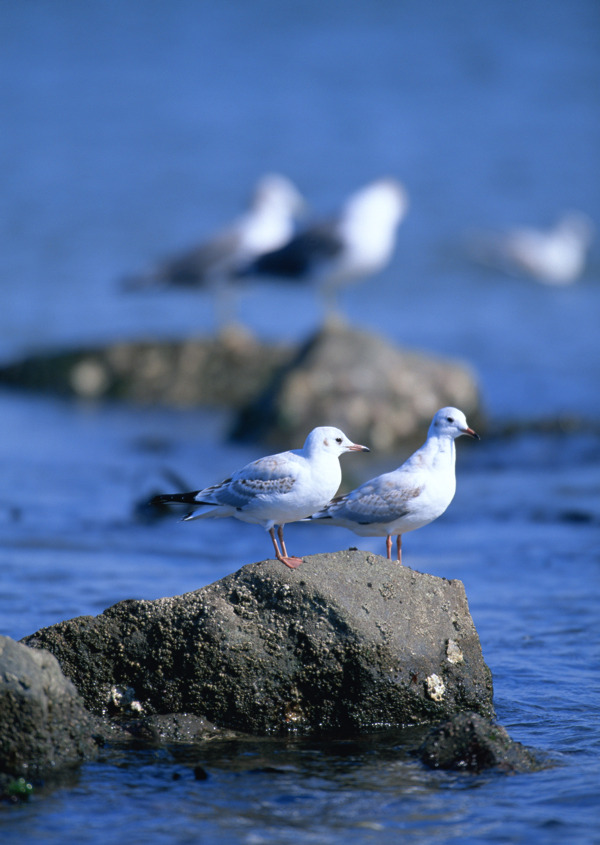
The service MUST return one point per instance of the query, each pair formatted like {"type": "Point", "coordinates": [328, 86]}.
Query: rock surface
{"type": "Point", "coordinates": [377, 393]}
{"type": "Point", "coordinates": [468, 742]}
{"type": "Point", "coordinates": [348, 642]}
{"type": "Point", "coordinates": [43, 723]}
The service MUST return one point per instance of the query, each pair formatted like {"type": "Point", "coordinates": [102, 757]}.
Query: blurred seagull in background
{"type": "Point", "coordinates": [356, 244]}
{"type": "Point", "coordinates": [409, 497]}
{"type": "Point", "coordinates": [555, 256]}
{"type": "Point", "coordinates": [268, 223]}
{"type": "Point", "coordinates": [275, 490]}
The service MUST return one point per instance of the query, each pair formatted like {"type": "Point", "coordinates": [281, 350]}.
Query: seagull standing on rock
{"type": "Point", "coordinates": [268, 223]}
{"type": "Point", "coordinates": [277, 489]}
{"type": "Point", "coordinates": [409, 497]}
{"type": "Point", "coordinates": [356, 244]}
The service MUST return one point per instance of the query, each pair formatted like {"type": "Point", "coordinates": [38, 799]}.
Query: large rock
{"type": "Point", "coordinates": [348, 642]}
{"type": "Point", "coordinates": [376, 392]}
{"type": "Point", "coordinates": [43, 723]}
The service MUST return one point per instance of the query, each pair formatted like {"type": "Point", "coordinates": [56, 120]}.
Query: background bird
{"type": "Point", "coordinates": [555, 256]}
{"type": "Point", "coordinates": [277, 489]}
{"type": "Point", "coordinates": [268, 223]}
{"type": "Point", "coordinates": [359, 242]}
{"type": "Point", "coordinates": [409, 497]}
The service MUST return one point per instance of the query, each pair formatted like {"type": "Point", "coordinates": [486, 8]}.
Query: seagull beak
{"type": "Point", "coordinates": [356, 448]}
{"type": "Point", "coordinates": [471, 433]}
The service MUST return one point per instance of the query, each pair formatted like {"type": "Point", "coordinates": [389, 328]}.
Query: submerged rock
{"type": "Point", "coordinates": [43, 723]}
{"type": "Point", "coordinates": [381, 394]}
{"type": "Point", "coordinates": [348, 642]}
{"type": "Point", "coordinates": [469, 742]}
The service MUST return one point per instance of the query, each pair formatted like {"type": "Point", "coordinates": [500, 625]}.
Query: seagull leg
{"type": "Point", "coordinates": [332, 316]}
{"type": "Point", "coordinates": [388, 545]}
{"type": "Point", "coordinates": [399, 548]}
{"type": "Point", "coordinates": [281, 540]}
{"type": "Point", "coordinates": [226, 306]}
{"type": "Point", "coordinates": [292, 562]}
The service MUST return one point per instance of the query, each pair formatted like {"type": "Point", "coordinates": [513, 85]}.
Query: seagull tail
{"type": "Point", "coordinates": [175, 498]}
{"type": "Point", "coordinates": [317, 517]}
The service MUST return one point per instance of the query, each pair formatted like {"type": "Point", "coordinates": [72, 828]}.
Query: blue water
{"type": "Point", "coordinates": [131, 128]}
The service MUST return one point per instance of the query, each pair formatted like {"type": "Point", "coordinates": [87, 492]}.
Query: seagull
{"type": "Point", "coordinates": [268, 223]}
{"type": "Point", "coordinates": [409, 497]}
{"type": "Point", "coordinates": [357, 243]}
{"type": "Point", "coordinates": [553, 256]}
{"type": "Point", "coordinates": [275, 490]}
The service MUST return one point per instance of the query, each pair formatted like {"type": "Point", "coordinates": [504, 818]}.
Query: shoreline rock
{"type": "Point", "coordinates": [348, 643]}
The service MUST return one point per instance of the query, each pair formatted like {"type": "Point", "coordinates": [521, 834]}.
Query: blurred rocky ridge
{"type": "Point", "coordinates": [343, 376]}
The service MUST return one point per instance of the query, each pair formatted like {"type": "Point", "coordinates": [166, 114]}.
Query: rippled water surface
{"type": "Point", "coordinates": [131, 129]}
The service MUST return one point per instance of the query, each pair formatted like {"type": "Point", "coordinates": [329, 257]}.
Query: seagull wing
{"type": "Point", "coordinates": [195, 267]}
{"type": "Point", "coordinates": [198, 265]}
{"type": "Point", "coordinates": [377, 501]}
{"type": "Point", "coordinates": [265, 478]}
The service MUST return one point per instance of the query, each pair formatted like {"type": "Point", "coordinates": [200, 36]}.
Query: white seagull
{"type": "Point", "coordinates": [275, 490]}
{"type": "Point", "coordinates": [268, 223]}
{"type": "Point", "coordinates": [358, 243]}
{"type": "Point", "coordinates": [554, 256]}
{"type": "Point", "coordinates": [409, 497]}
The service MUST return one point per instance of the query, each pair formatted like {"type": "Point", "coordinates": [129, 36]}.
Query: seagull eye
{"type": "Point", "coordinates": [338, 440]}
{"type": "Point", "coordinates": [450, 419]}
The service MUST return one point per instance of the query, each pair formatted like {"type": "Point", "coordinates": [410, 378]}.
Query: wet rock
{"type": "Point", "coordinates": [378, 393]}
{"type": "Point", "coordinates": [224, 371]}
{"type": "Point", "coordinates": [469, 742]}
{"type": "Point", "coordinates": [200, 773]}
{"type": "Point", "coordinates": [348, 642]}
{"type": "Point", "coordinates": [43, 723]}
{"type": "Point", "coordinates": [174, 728]}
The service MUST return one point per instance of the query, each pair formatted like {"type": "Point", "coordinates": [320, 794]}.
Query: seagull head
{"type": "Point", "coordinates": [450, 422]}
{"type": "Point", "coordinates": [330, 440]}
{"type": "Point", "coordinates": [368, 225]}
{"type": "Point", "coordinates": [384, 201]}
{"type": "Point", "coordinates": [578, 226]}
{"type": "Point", "coordinates": [279, 195]}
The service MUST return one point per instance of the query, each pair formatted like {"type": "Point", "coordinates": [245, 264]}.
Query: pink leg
{"type": "Point", "coordinates": [292, 562]}
{"type": "Point", "coordinates": [388, 545]}
{"type": "Point", "coordinates": [399, 548]}
{"type": "Point", "coordinates": [281, 540]}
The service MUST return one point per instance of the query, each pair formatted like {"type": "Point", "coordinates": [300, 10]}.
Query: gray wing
{"type": "Point", "coordinates": [377, 501]}
{"type": "Point", "coordinates": [195, 267]}
{"type": "Point", "coordinates": [266, 477]}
